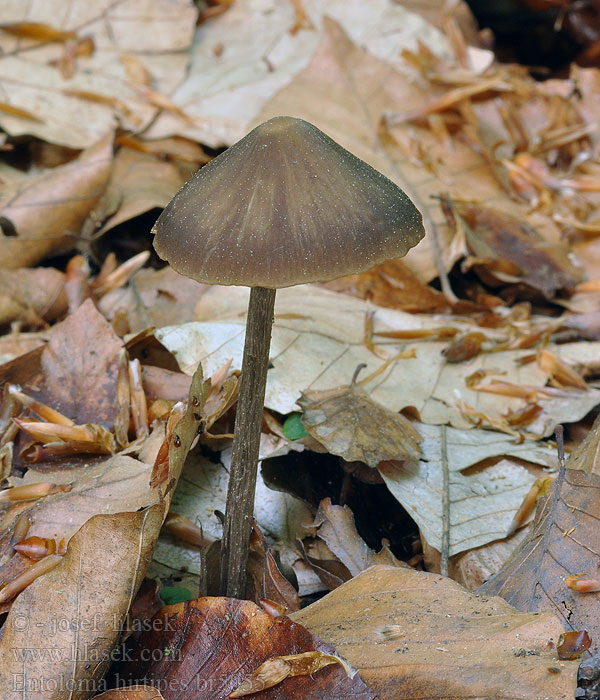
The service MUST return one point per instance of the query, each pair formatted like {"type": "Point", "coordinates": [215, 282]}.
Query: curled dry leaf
{"type": "Point", "coordinates": [266, 582]}
{"type": "Point", "coordinates": [428, 636]}
{"type": "Point", "coordinates": [43, 214]}
{"type": "Point", "coordinates": [278, 668]}
{"type": "Point", "coordinates": [350, 424]}
{"type": "Point", "coordinates": [180, 655]}
{"type": "Point", "coordinates": [335, 525]}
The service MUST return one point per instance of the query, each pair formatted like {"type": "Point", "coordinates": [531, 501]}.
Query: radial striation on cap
{"type": "Point", "coordinates": [285, 205]}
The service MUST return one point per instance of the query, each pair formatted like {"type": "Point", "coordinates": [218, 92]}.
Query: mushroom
{"type": "Point", "coordinates": [285, 205]}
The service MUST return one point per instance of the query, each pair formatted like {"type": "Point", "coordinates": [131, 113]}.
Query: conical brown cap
{"type": "Point", "coordinates": [284, 206]}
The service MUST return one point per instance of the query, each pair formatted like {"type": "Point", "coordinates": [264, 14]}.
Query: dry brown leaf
{"type": "Point", "coordinates": [32, 296]}
{"type": "Point", "coordinates": [345, 92]}
{"type": "Point", "coordinates": [473, 568]}
{"type": "Point", "coordinates": [186, 633]}
{"type": "Point", "coordinates": [511, 250]}
{"type": "Point", "coordinates": [392, 284]}
{"type": "Point", "coordinates": [240, 59]}
{"type": "Point", "coordinates": [586, 456]}
{"type": "Point", "coordinates": [79, 368]}
{"type": "Point", "coordinates": [264, 577]}
{"type": "Point", "coordinates": [154, 298]}
{"type": "Point", "coordinates": [278, 668]}
{"type": "Point", "coordinates": [335, 525]}
{"type": "Point", "coordinates": [43, 213]}
{"type": "Point", "coordinates": [138, 183]}
{"type": "Point", "coordinates": [563, 541]}
{"type": "Point", "coordinates": [78, 110]}
{"type": "Point", "coordinates": [76, 610]}
{"type": "Point", "coordinates": [419, 635]}
{"type": "Point", "coordinates": [350, 424]}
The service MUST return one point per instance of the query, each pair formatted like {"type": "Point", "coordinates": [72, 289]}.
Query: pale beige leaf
{"type": "Point", "coordinates": [225, 90]}
{"type": "Point", "coordinates": [78, 111]}
{"type": "Point", "coordinates": [318, 341]}
{"type": "Point", "coordinates": [482, 504]}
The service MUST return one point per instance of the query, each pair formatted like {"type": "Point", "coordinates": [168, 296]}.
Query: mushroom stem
{"type": "Point", "coordinates": [246, 441]}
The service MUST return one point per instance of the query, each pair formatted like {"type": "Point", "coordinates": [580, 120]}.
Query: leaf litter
{"type": "Point", "coordinates": [94, 423]}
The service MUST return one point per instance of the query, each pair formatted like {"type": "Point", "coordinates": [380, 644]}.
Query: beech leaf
{"type": "Point", "coordinates": [180, 654]}
{"type": "Point", "coordinates": [416, 634]}
{"type": "Point", "coordinates": [563, 541]}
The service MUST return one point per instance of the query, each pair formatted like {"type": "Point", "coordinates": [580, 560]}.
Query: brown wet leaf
{"type": "Point", "coordinates": [563, 541]}
{"type": "Point", "coordinates": [190, 666]}
{"type": "Point", "coordinates": [418, 634]}
{"type": "Point", "coordinates": [42, 214]}
{"type": "Point", "coordinates": [350, 424]}
{"type": "Point", "coordinates": [571, 645]}
{"type": "Point", "coordinates": [92, 600]}
{"type": "Point", "coordinates": [510, 249]}
{"type": "Point", "coordinates": [32, 296]}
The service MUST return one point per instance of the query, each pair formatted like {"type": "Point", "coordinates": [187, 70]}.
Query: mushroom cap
{"type": "Point", "coordinates": [285, 205]}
